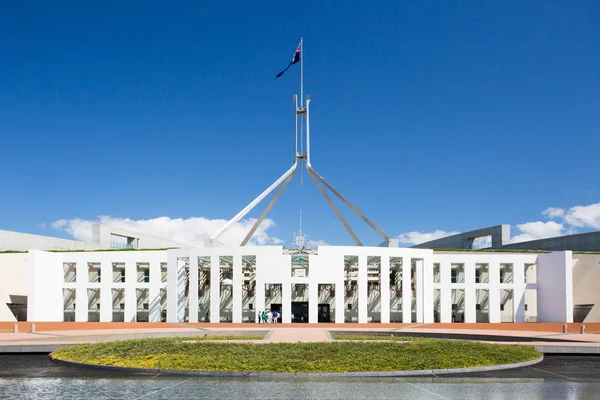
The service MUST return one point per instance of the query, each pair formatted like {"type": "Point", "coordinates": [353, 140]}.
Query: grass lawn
{"type": "Point", "coordinates": [337, 356]}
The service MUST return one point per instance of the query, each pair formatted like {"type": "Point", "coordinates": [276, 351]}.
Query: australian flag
{"type": "Point", "coordinates": [295, 59]}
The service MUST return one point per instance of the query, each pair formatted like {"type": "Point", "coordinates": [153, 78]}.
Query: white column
{"type": "Point", "coordinates": [81, 294]}
{"type": "Point", "coordinates": [105, 304]}
{"type": "Point", "coordinates": [193, 291]}
{"type": "Point", "coordinates": [427, 289]}
{"type": "Point", "coordinates": [172, 268]}
{"type": "Point", "coordinates": [340, 297]}
{"type": "Point", "coordinates": [313, 302]}
{"type": "Point", "coordinates": [153, 303]}
{"type": "Point", "coordinates": [445, 292]}
{"type": "Point", "coordinates": [419, 288]}
{"type": "Point", "coordinates": [518, 292]}
{"type": "Point", "coordinates": [215, 290]}
{"type": "Point", "coordinates": [385, 289]}
{"type": "Point", "coordinates": [470, 294]}
{"type": "Point", "coordinates": [176, 277]}
{"type": "Point", "coordinates": [238, 281]}
{"type": "Point", "coordinates": [180, 291]}
{"type": "Point", "coordinates": [406, 290]}
{"type": "Point", "coordinates": [259, 292]}
{"type": "Point", "coordinates": [362, 289]}
{"type": "Point", "coordinates": [494, 292]}
{"type": "Point", "coordinates": [154, 292]}
{"type": "Point", "coordinates": [105, 291]}
{"type": "Point", "coordinates": [286, 299]}
{"type": "Point", "coordinates": [130, 292]}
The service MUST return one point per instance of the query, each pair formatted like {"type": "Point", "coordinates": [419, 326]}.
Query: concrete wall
{"type": "Point", "coordinates": [470, 261]}
{"type": "Point", "coordinates": [580, 242]}
{"type": "Point", "coordinates": [13, 281]}
{"type": "Point", "coordinates": [102, 237]}
{"type": "Point", "coordinates": [46, 290]}
{"type": "Point", "coordinates": [44, 286]}
{"type": "Point", "coordinates": [501, 240]}
{"type": "Point", "coordinates": [24, 242]}
{"type": "Point", "coordinates": [555, 287]}
{"type": "Point", "coordinates": [500, 236]}
{"type": "Point", "coordinates": [586, 281]}
{"type": "Point", "coordinates": [327, 267]}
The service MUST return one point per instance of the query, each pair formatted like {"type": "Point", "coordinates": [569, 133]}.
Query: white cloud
{"type": "Point", "coordinates": [538, 230]}
{"type": "Point", "coordinates": [422, 237]}
{"type": "Point", "coordinates": [584, 216]}
{"type": "Point", "coordinates": [315, 243]}
{"type": "Point", "coordinates": [191, 231]}
{"type": "Point", "coordinates": [574, 217]}
{"type": "Point", "coordinates": [59, 224]}
{"type": "Point", "coordinates": [553, 212]}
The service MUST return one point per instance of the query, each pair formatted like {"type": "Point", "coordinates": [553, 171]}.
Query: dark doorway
{"type": "Point", "coordinates": [324, 314]}
{"type": "Point", "coordinates": [300, 311]}
{"type": "Point", "coordinates": [276, 308]}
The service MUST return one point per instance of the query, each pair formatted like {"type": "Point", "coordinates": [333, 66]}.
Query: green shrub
{"type": "Point", "coordinates": [336, 356]}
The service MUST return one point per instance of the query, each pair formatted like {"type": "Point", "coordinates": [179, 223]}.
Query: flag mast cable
{"type": "Point", "coordinates": [301, 156]}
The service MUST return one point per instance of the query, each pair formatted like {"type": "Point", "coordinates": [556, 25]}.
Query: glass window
{"type": "Point", "coordinates": [453, 275]}
{"type": "Point", "coordinates": [146, 275]}
{"type": "Point", "coordinates": [477, 276]}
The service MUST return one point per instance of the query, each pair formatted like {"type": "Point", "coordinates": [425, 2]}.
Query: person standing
{"type": "Point", "coordinates": [269, 317]}
{"type": "Point", "coordinates": [259, 316]}
{"type": "Point", "coordinates": [264, 317]}
{"type": "Point", "coordinates": [275, 316]}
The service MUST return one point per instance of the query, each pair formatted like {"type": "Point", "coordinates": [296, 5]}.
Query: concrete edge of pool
{"type": "Point", "coordinates": [303, 375]}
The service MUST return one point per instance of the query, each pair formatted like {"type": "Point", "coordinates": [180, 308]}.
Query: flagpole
{"type": "Point", "coordinates": [301, 104]}
{"type": "Point", "coordinates": [301, 73]}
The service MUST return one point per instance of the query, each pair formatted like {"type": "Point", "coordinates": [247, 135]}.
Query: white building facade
{"type": "Point", "coordinates": [328, 284]}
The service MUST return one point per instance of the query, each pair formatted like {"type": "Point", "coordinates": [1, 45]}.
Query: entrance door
{"type": "Point", "coordinates": [300, 311]}
{"type": "Point", "coordinates": [324, 315]}
{"type": "Point", "coordinates": [276, 308]}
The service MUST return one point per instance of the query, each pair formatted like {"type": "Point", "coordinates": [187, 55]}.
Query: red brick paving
{"type": "Point", "coordinates": [80, 326]}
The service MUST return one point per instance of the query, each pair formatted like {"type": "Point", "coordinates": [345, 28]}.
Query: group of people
{"type": "Point", "coordinates": [268, 317]}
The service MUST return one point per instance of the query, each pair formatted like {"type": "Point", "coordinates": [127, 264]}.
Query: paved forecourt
{"type": "Point", "coordinates": [46, 336]}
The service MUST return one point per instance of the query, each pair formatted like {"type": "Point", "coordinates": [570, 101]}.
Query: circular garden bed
{"type": "Point", "coordinates": [345, 354]}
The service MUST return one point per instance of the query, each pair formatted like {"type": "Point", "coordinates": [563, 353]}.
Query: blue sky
{"type": "Point", "coordinates": [429, 116]}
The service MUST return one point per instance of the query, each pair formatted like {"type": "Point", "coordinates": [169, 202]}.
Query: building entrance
{"type": "Point", "coordinates": [324, 313]}
{"type": "Point", "coordinates": [300, 311]}
{"type": "Point", "coordinates": [276, 308]}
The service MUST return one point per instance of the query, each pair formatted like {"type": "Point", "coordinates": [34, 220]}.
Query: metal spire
{"type": "Point", "coordinates": [301, 156]}
{"type": "Point", "coordinates": [300, 237]}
